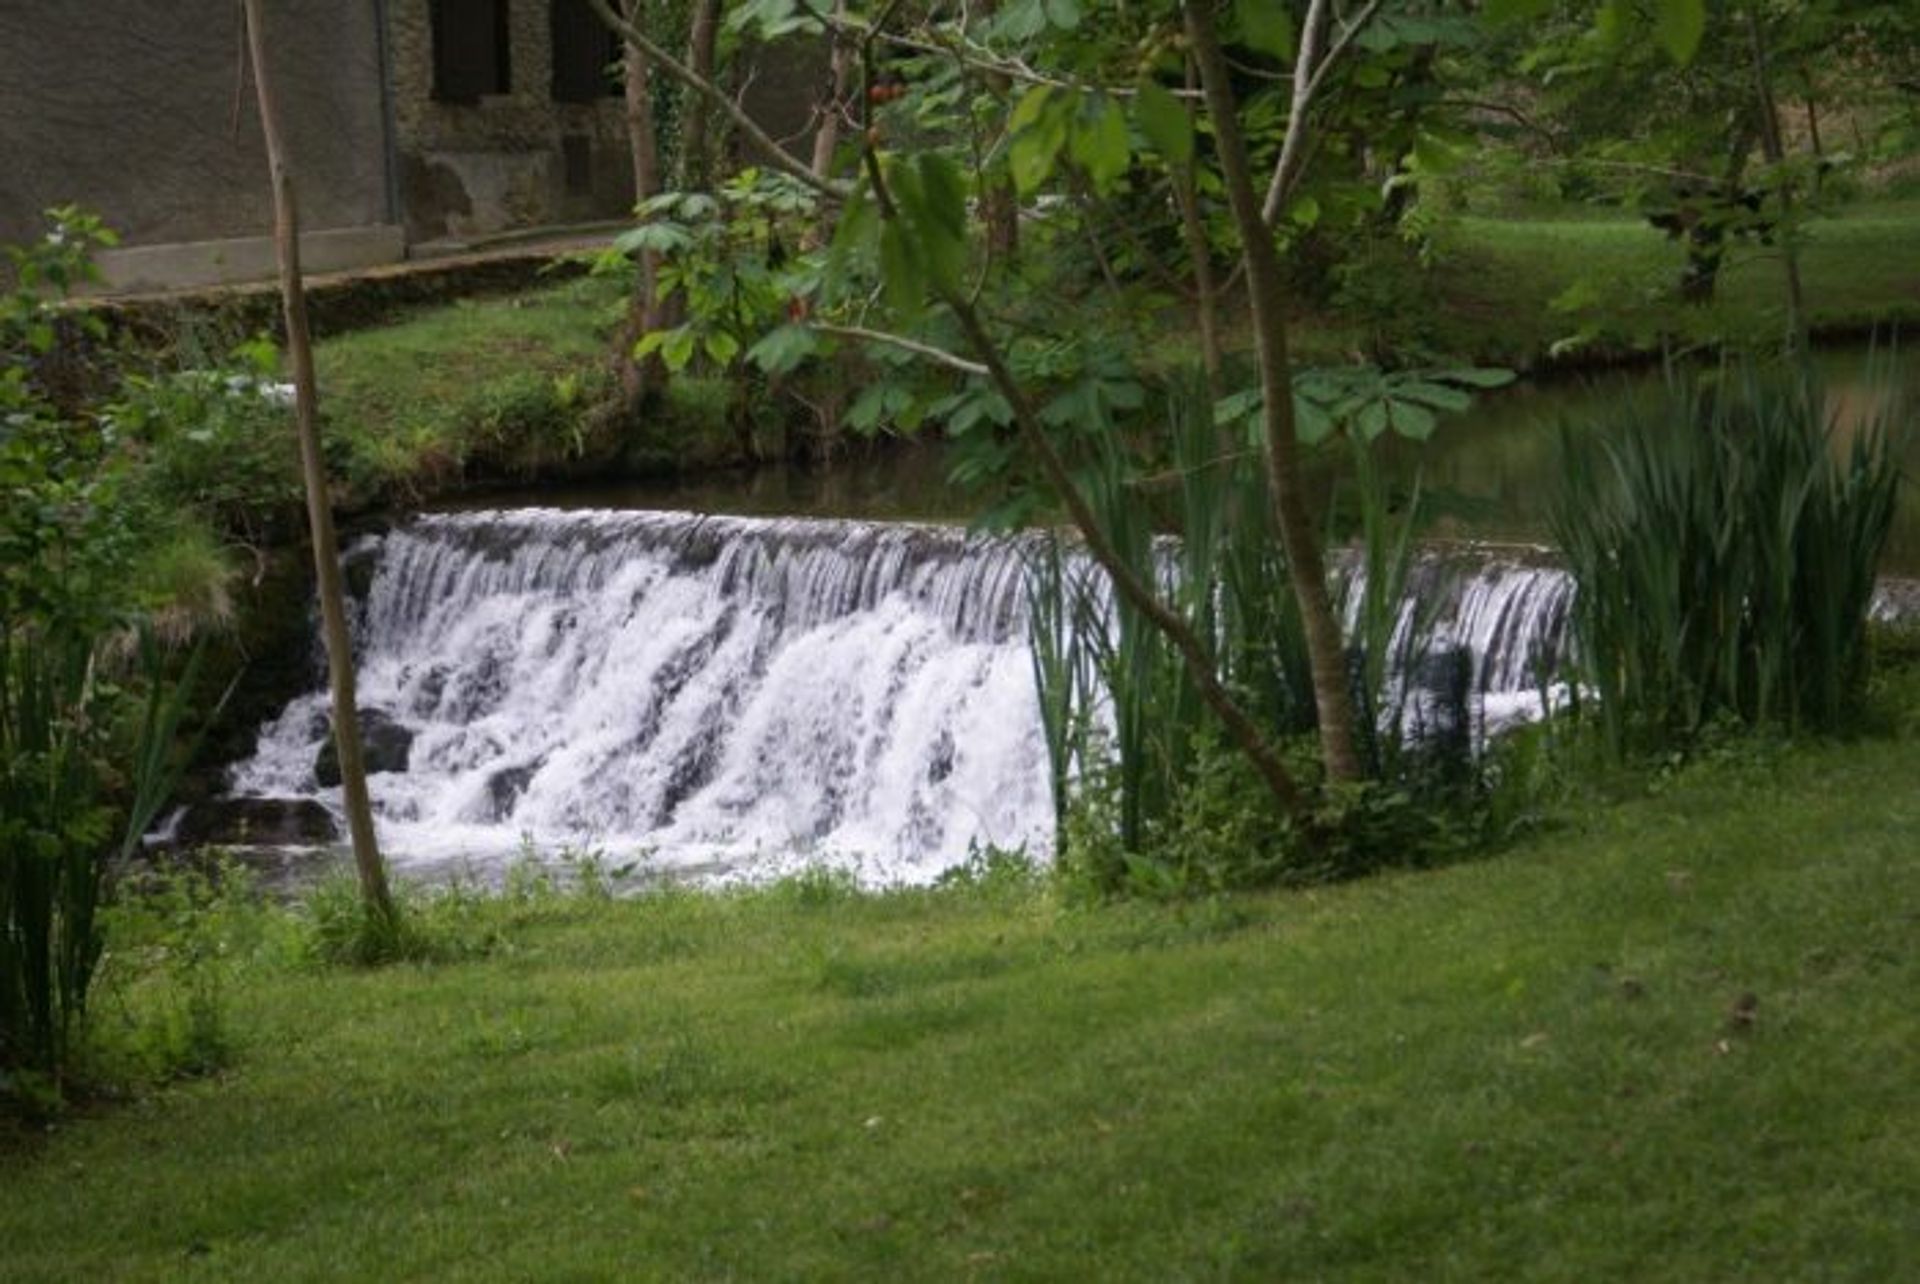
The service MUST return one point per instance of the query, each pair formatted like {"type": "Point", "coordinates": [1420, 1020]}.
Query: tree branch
{"type": "Point", "coordinates": [939, 356]}
{"type": "Point", "coordinates": [1309, 76]}
{"type": "Point", "coordinates": [775, 155]}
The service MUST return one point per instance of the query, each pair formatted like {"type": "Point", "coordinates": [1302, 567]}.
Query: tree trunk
{"type": "Point", "coordinates": [638, 378]}
{"type": "Point", "coordinates": [1205, 290]}
{"type": "Point", "coordinates": [1775, 152]}
{"type": "Point", "coordinates": [696, 165]}
{"type": "Point", "coordinates": [326, 556]}
{"type": "Point", "coordinates": [1326, 651]}
{"type": "Point", "coordinates": [832, 108]}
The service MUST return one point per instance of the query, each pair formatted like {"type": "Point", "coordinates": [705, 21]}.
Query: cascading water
{"type": "Point", "coordinates": [732, 694]}
{"type": "Point", "coordinates": [740, 697]}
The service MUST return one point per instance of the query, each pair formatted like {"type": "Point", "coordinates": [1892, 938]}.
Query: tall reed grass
{"type": "Point", "coordinates": [1724, 537]}
{"type": "Point", "coordinates": [84, 769]}
{"type": "Point", "coordinates": [1143, 785]}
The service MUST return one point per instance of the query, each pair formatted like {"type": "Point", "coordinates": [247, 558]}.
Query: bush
{"type": "Point", "coordinates": [1724, 540]}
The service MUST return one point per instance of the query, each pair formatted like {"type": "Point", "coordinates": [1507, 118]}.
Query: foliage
{"type": "Point", "coordinates": [84, 769]}
{"type": "Point", "coordinates": [218, 439]}
{"type": "Point", "coordinates": [1724, 541]}
{"type": "Point", "coordinates": [1147, 799]}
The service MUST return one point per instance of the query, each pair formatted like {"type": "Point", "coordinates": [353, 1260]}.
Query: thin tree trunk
{"type": "Point", "coordinates": [702, 48]}
{"type": "Point", "coordinates": [326, 556]}
{"type": "Point", "coordinates": [638, 378]}
{"type": "Point", "coordinates": [1187, 193]}
{"type": "Point", "coordinates": [833, 107]}
{"type": "Point", "coordinates": [1775, 152]}
{"type": "Point", "coordinates": [1326, 652]}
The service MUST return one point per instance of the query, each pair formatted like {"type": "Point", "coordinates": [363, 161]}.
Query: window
{"type": "Point", "coordinates": [472, 49]}
{"type": "Point", "coordinates": [586, 54]}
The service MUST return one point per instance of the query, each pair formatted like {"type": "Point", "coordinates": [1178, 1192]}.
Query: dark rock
{"type": "Point", "coordinates": [504, 788]}
{"type": "Point", "coordinates": [384, 744]}
{"type": "Point", "coordinates": [256, 822]}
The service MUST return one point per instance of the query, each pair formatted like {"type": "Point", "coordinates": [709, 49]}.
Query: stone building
{"type": "Point", "coordinates": [410, 122]}
{"type": "Point", "coordinates": [506, 114]}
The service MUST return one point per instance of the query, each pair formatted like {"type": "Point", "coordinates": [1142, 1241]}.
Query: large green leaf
{"type": "Point", "coordinates": [1266, 27]}
{"type": "Point", "coordinates": [1099, 142]}
{"type": "Point", "coordinates": [1164, 122]}
{"type": "Point", "coordinates": [1679, 24]}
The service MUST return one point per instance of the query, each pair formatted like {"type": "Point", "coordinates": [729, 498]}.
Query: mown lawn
{"type": "Point", "coordinates": [1498, 280]}
{"type": "Point", "coordinates": [1673, 1039]}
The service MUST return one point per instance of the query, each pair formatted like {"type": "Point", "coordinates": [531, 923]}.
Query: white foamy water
{"type": "Point", "coordinates": [753, 694]}
{"type": "Point", "coordinates": [745, 697]}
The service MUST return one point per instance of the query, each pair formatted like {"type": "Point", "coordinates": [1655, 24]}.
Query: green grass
{"type": "Point", "coordinates": [411, 405]}
{"type": "Point", "coordinates": [1527, 1067]}
{"type": "Point", "coordinates": [1497, 279]}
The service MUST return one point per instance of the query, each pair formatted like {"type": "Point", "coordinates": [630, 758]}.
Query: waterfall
{"type": "Point", "coordinates": [742, 697]}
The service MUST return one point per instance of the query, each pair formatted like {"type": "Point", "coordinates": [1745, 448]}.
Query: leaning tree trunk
{"type": "Point", "coordinates": [326, 555]}
{"type": "Point", "coordinates": [1292, 503]}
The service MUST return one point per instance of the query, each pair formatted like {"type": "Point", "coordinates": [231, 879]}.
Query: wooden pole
{"type": "Point", "coordinates": [326, 554]}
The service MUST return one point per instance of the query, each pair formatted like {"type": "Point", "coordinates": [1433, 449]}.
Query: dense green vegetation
{"type": "Point", "coordinates": [1626, 1016]}
{"type": "Point", "coordinates": [1667, 1040]}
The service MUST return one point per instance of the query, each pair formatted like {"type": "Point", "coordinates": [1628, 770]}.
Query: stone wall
{"type": "Point", "coordinates": [469, 169]}
{"type": "Point", "coordinates": [138, 110]}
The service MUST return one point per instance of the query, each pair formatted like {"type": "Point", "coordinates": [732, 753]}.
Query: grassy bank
{"type": "Point", "coordinates": [1503, 285]}
{"type": "Point", "coordinates": [1672, 1040]}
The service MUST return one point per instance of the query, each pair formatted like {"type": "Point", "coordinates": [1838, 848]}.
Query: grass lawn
{"type": "Point", "coordinates": [1536, 1066]}
{"type": "Point", "coordinates": [1498, 278]}
{"type": "Point", "coordinates": [410, 404]}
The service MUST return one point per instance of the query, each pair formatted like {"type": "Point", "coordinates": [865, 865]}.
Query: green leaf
{"type": "Point", "coordinates": [1305, 212]}
{"type": "Point", "coordinates": [936, 205]}
{"type": "Point", "coordinates": [1064, 14]}
{"type": "Point", "coordinates": [1439, 396]}
{"type": "Point", "coordinates": [783, 348]}
{"type": "Point", "coordinates": [1265, 27]}
{"type": "Point", "coordinates": [1412, 421]}
{"type": "Point", "coordinates": [1164, 122]}
{"type": "Point", "coordinates": [1038, 131]}
{"type": "Point", "coordinates": [1372, 419]}
{"type": "Point", "coordinates": [1478, 376]}
{"type": "Point", "coordinates": [1679, 24]}
{"type": "Point", "coordinates": [1099, 142]}
{"type": "Point", "coordinates": [902, 273]}
{"type": "Point", "coordinates": [678, 348]}
{"type": "Point", "coordinates": [722, 347]}
{"type": "Point", "coordinates": [1311, 423]}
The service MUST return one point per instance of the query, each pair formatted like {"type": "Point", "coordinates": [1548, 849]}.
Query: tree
{"type": "Point", "coordinates": [1028, 92]}
{"type": "Point", "coordinates": [326, 554]}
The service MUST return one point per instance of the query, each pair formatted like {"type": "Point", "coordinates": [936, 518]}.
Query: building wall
{"type": "Point", "coordinates": [468, 169]}
{"type": "Point", "coordinates": [137, 109]}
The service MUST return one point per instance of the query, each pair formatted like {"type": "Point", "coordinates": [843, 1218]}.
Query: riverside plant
{"type": "Point", "coordinates": [1147, 797]}
{"type": "Point", "coordinates": [1724, 538]}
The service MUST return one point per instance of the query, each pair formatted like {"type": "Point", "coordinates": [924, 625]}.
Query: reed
{"type": "Point", "coordinates": [84, 769]}
{"type": "Point", "coordinates": [1141, 780]}
{"type": "Point", "coordinates": [1724, 536]}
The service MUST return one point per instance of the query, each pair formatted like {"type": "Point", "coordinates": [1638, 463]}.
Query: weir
{"type": "Point", "coordinates": [742, 696]}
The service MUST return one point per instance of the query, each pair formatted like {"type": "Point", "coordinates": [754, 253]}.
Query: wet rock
{"type": "Point", "coordinates": [504, 788]}
{"type": "Point", "coordinates": [384, 744]}
{"type": "Point", "coordinates": [256, 822]}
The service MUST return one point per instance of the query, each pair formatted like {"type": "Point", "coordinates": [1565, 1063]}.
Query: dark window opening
{"type": "Point", "coordinates": [586, 54]}
{"type": "Point", "coordinates": [472, 49]}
